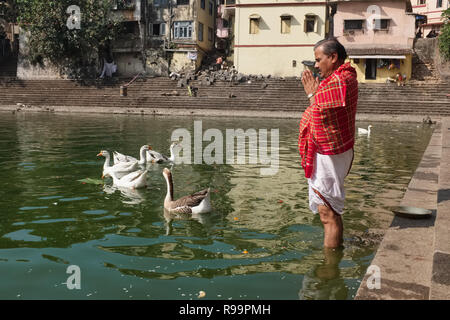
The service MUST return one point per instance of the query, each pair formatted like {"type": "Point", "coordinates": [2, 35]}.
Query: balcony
{"type": "Point", "coordinates": [124, 5]}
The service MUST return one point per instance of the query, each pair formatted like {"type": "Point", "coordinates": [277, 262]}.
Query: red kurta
{"type": "Point", "coordinates": [328, 125]}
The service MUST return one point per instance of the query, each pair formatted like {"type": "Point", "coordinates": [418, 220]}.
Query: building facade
{"type": "Point", "coordinates": [184, 30]}
{"type": "Point", "coordinates": [378, 37]}
{"type": "Point", "coordinates": [273, 38]}
{"type": "Point", "coordinates": [430, 16]}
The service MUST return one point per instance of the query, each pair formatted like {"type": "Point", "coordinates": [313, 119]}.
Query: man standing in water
{"type": "Point", "coordinates": [327, 135]}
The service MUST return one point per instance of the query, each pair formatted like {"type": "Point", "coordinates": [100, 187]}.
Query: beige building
{"type": "Point", "coordinates": [273, 38]}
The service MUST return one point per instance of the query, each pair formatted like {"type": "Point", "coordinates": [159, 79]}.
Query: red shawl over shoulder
{"type": "Point", "coordinates": [328, 125]}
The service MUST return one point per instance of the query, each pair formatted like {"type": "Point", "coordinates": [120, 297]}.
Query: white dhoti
{"type": "Point", "coordinates": [328, 179]}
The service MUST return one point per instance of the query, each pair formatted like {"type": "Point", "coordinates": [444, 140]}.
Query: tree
{"type": "Point", "coordinates": [444, 37]}
{"type": "Point", "coordinates": [52, 36]}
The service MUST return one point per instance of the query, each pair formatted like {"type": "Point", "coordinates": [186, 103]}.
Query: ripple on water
{"type": "Point", "coordinates": [73, 199]}
{"type": "Point", "coordinates": [23, 235]}
{"type": "Point", "coordinates": [95, 212]}
{"type": "Point", "coordinates": [33, 208]}
{"type": "Point", "coordinates": [54, 220]}
{"type": "Point", "coordinates": [49, 197]}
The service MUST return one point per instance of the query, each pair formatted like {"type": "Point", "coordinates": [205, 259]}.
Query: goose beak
{"type": "Point", "coordinates": [98, 155]}
{"type": "Point", "coordinates": [150, 148]}
{"type": "Point", "coordinates": [103, 177]}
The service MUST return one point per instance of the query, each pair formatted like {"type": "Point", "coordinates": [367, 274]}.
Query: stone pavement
{"type": "Point", "coordinates": [414, 256]}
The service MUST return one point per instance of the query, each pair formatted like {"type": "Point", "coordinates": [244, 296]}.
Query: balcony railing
{"type": "Point", "coordinates": [124, 5]}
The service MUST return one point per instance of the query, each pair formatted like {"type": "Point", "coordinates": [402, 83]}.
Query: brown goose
{"type": "Point", "coordinates": [195, 203]}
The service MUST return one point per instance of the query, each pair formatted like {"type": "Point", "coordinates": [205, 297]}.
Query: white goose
{"type": "Point", "coordinates": [133, 180]}
{"type": "Point", "coordinates": [195, 203]}
{"type": "Point", "coordinates": [365, 131]}
{"type": "Point", "coordinates": [119, 169]}
{"type": "Point", "coordinates": [157, 157]}
{"type": "Point", "coordinates": [119, 157]}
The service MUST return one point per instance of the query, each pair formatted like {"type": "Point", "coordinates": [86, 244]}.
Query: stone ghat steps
{"type": "Point", "coordinates": [362, 108]}
{"type": "Point", "coordinates": [173, 84]}
{"type": "Point", "coordinates": [114, 98]}
{"type": "Point", "coordinates": [260, 97]}
{"type": "Point", "coordinates": [164, 83]}
{"type": "Point", "coordinates": [221, 91]}
{"type": "Point", "coordinates": [149, 100]}
{"type": "Point", "coordinates": [217, 92]}
{"type": "Point", "coordinates": [278, 95]}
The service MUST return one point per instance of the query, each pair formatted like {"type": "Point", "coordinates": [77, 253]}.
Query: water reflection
{"type": "Point", "coordinates": [324, 281]}
{"type": "Point", "coordinates": [170, 217]}
{"type": "Point", "coordinates": [128, 196]}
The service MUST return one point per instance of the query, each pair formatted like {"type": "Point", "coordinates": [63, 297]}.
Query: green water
{"type": "Point", "coordinates": [260, 242]}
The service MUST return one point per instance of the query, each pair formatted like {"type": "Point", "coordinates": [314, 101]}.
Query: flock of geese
{"type": "Point", "coordinates": [127, 172]}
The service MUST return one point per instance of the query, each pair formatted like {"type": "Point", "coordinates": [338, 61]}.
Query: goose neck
{"type": "Point", "coordinates": [107, 161]}
{"type": "Point", "coordinates": [169, 195]}
{"type": "Point", "coordinates": [172, 155]}
{"type": "Point", "coordinates": [142, 155]}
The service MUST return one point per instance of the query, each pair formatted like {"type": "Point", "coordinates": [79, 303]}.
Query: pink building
{"type": "Point", "coordinates": [224, 26]}
{"type": "Point", "coordinates": [378, 37]}
{"type": "Point", "coordinates": [431, 13]}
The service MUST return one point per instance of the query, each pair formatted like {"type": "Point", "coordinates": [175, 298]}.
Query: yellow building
{"type": "Point", "coordinates": [192, 34]}
{"type": "Point", "coordinates": [273, 38]}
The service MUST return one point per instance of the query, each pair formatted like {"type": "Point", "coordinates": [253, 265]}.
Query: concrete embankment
{"type": "Point", "coordinates": [413, 259]}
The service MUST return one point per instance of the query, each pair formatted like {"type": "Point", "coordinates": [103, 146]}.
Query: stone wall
{"type": "Point", "coordinates": [442, 67]}
{"type": "Point", "coordinates": [27, 71]}
{"type": "Point", "coordinates": [427, 51]}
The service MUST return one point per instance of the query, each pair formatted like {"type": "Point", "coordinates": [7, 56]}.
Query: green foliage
{"type": "Point", "coordinates": [444, 37]}
{"type": "Point", "coordinates": [73, 51]}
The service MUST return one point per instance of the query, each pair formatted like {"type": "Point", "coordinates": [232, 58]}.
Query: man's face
{"type": "Point", "coordinates": [324, 63]}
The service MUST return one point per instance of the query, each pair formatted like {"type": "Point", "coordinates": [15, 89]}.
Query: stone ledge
{"type": "Point", "coordinates": [405, 255]}
{"type": "Point", "coordinates": [440, 281]}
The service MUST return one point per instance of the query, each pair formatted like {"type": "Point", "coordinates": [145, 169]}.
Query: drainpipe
{"type": "Point", "coordinates": [170, 20]}
{"type": "Point", "coordinates": [142, 31]}
{"type": "Point", "coordinates": [327, 18]}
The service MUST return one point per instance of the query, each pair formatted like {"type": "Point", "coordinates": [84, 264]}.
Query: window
{"type": "Point", "coordinates": [353, 24]}
{"type": "Point", "coordinates": [130, 27]}
{"type": "Point", "coordinates": [381, 24]}
{"type": "Point", "coordinates": [285, 24]}
{"type": "Point", "coordinates": [202, 4]}
{"type": "Point", "coordinates": [182, 30]}
{"type": "Point", "coordinates": [438, 3]}
{"type": "Point", "coordinates": [254, 24]}
{"type": "Point", "coordinates": [310, 23]}
{"type": "Point", "coordinates": [200, 31]}
{"type": "Point", "coordinates": [421, 1]}
{"type": "Point", "coordinates": [211, 8]}
{"type": "Point", "coordinates": [210, 34]}
{"type": "Point", "coordinates": [161, 3]}
{"type": "Point", "coordinates": [181, 2]}
{"type": "Point", "coordinates": [158, 29]}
